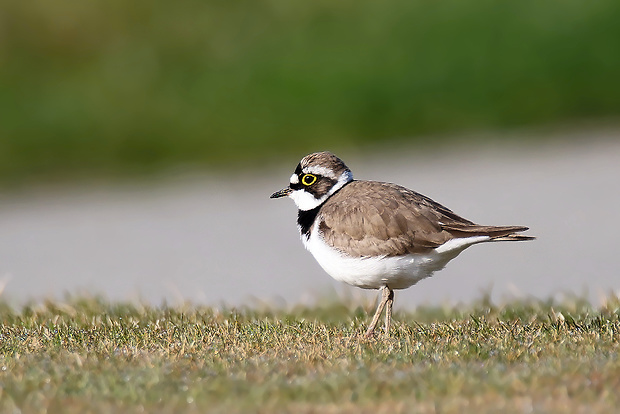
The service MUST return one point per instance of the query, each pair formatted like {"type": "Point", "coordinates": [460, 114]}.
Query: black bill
{"type": "Point", "coordinates": [282, 193]}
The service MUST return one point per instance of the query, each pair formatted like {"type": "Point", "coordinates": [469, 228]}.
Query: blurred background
{"type": "Point", "coordinates": [139, 140]}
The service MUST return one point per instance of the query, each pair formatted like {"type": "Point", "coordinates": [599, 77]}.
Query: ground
{"type": "Point", "coordinates": [88, 355]}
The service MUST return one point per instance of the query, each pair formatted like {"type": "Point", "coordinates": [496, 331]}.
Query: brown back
{"type": "Point", "coordinates": [370, 218]}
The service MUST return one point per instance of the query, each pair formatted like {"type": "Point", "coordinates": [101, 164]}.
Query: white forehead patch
{"type": "Point", "coordinates": [294, 179]}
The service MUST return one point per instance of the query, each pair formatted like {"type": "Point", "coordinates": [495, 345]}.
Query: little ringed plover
{"type": "Point", "coordinates": [377, 235]}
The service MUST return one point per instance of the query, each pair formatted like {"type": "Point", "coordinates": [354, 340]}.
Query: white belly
{"type": "Point", "coordinates": [398, 272]}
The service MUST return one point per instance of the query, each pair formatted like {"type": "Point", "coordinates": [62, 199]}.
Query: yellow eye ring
{"type": "Point", "coordinates": [308, 179]}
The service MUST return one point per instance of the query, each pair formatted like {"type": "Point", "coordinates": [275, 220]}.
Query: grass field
{"type": "Point", "coordinates": [111, 87]}
{"type": "Point", "coordinates": [87, 355]}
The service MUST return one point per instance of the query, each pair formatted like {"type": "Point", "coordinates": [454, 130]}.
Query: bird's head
{"type": "Point", "coordinates": [317, 176]}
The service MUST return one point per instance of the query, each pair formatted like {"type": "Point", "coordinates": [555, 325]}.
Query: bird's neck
{"type": "Point", "coordinates": [305, 220]}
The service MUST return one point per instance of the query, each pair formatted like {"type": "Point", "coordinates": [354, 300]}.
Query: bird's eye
{"type": "Point", "coordinates": [308, 179]}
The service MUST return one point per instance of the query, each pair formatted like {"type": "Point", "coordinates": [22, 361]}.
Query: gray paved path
{"type": "Point", "coordinates": [215, 239]}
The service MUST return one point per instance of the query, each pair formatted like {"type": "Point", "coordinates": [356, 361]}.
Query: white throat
{"type": "Point", "coordinates": [306, 201]}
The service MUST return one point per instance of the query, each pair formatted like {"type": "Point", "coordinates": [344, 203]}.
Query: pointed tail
{"type": "Point", "coordinates": [496, 233]}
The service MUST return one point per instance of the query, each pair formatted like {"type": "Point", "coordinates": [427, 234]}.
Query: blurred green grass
{"type": "Point", "coordinates": [111, 87]}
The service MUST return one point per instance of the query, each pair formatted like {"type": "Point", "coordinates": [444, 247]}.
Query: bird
{"type": "Point", "coordinates": [378, 235]}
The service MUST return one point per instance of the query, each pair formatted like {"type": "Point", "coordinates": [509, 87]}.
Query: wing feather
{"type": "Point", "coordinates": [370, 218]}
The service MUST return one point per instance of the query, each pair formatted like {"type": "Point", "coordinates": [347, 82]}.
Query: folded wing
{"type": "Point", "coordinates": [368, 218]}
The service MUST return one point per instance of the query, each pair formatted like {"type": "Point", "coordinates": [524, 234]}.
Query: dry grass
{"type": "Point", "coordinates": [88, 355]}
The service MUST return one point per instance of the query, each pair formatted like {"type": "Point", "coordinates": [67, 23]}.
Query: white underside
{"type": "Point", "coordinates": [377, 271]}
